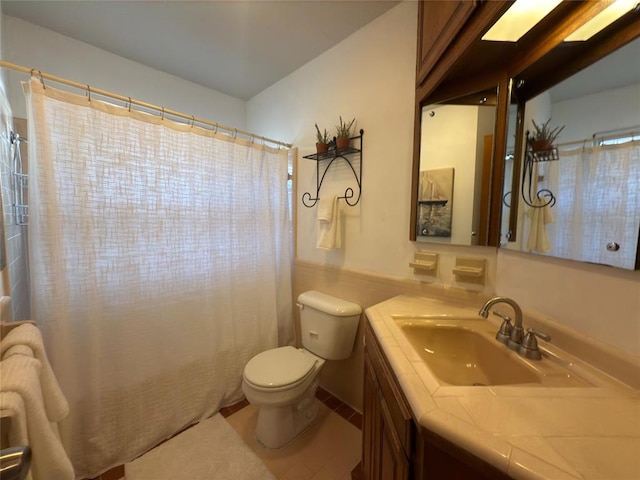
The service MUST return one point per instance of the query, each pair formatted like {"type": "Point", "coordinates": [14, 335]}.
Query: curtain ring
{"type": "Point", "coordinates": [130, 104]}
{"type": "Point", "coordinates": [216, 128]}
{"type": "Point", "coordinates": [253, 137]}
{"type": "Point", "coordinates": [235, 133]}
{"type": "Point", "coordinates": [162, 116]}
{"type": "Point", "coordinates": [193, 121]}
{"type": "Point", "coordinates": [42, 80]}
{"type": "Point", "coordinates": [89, 92]}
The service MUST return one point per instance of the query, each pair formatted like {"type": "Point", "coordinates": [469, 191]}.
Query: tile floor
{"type": "Point", "coordinates": [333, 403]}
{"type": "Point", "coordinates": [328, 450]}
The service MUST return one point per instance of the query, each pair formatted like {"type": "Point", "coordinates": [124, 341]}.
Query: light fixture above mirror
{"type": "Point", "coordinates": [602, 20]}
{"type": "Point", "coordinates": [524, 15]}
{"type": "Point", "coordinates": [521, 17]}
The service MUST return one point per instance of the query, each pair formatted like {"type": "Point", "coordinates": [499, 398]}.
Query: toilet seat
{"type": "Point", "coordinates": [279, 368]}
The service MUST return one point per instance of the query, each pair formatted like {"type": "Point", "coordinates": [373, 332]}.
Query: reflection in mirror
{"type": "Point", "coordinates": [508, 219]}
{"type": "Point", "coordinates": [592, 171]}
{"type": "Point", "coordinates": [456, 148]}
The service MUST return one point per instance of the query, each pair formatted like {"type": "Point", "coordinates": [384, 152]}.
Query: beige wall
{"type": "Point", "coordinates": [370, 75]}
{"type": "Point", "coordinates": [344, 377]}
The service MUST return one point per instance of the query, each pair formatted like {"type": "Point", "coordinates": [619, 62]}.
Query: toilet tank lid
{"type": "Point", "coordinates": [329, 304]}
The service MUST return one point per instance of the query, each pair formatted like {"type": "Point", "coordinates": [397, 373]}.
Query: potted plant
{"type": "Point", "coordinates": [543, 136]}
{"type": "Point", "coordinates": [344, 133]}
{"type": "Point", "coordinates": [322, 140]}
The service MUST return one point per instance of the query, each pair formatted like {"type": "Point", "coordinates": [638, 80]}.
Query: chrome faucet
{"type": "Point", "coordinates": [513, 336]}
{"type": "Point", "coordinates": [510, 336]}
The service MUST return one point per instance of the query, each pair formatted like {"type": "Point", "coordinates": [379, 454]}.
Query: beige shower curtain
{"type": "Point", "coordinates": [597, 193]}
{"type": "Point", "coordinates": [160, 264]}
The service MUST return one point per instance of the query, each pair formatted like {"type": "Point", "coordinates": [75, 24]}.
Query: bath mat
{"type": "Point", "coordinates": [207, 451]}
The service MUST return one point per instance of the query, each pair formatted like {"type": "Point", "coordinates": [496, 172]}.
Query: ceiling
{"type": "Point", "coordinates": [618, 69]}
{"type": "Point", "coordinates": [235, 47]}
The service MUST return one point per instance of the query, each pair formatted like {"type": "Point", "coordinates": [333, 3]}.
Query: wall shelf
{"type": "Point", "coordinates": [543, 197]}
{"type": "Point", "coordinates": [321, 171]}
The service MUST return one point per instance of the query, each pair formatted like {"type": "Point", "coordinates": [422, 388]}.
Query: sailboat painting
{"type": "Point", "coordinates": [435, 201]}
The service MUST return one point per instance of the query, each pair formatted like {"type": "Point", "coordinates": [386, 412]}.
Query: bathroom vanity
{"type": "Point", "coordinates": [395, 446]}
{"type": "Point", "coordinates": [554, 418]}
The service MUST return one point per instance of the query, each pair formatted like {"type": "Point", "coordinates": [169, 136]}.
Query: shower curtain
{"type": "Point", "coordinates": [160, 264]}
{"type": "Point", "coordinates": [597, 193]}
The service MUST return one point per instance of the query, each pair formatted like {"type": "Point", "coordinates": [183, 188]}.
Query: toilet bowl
{"type": "Point", "coordinates": [282, 382]}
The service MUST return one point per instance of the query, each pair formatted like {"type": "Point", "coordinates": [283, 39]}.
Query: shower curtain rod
{"type": "Point", "coordinates": [132, 101]}
{"type": "Point", "coordinates": [631, 133]}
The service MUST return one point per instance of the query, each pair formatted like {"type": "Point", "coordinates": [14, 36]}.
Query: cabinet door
{"type": "Point", "coordinates": [383, 457]}
{"type": "Point", "coordinates": [438, 24]}
{"type": "Point", "coordinates": [370, 424]}
{"type": "Point", "coordinates": [394, 465]}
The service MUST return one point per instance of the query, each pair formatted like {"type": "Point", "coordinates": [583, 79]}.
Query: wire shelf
{"type": "Point", "coordinates": [332, 155]}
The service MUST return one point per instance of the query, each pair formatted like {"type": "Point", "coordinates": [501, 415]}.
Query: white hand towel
{"type": "Point", "coordinates": [538, 239]}
{"type": "Point", "coordinates": [21, 375]}
{"type": "Point", "coordinates": [325, 209]}
{"type": "Point", "coordinates": [329, 232]}
{"type": "Point", "coordinates": [29, 335]}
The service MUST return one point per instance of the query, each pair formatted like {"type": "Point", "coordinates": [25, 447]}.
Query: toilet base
{"type": "Point", "coordinates": [278, 426]}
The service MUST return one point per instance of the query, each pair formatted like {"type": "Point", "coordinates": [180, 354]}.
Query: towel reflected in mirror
{"type": "Point", "coordinates": [540, 215]}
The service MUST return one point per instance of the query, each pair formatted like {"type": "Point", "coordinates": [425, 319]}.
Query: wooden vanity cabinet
{"type": "Point", "coordinates": [439, 23]}
{"type": "Point", "coordinates": [395, 446]}
{"type": "Point", "coordinates": [386, 435]}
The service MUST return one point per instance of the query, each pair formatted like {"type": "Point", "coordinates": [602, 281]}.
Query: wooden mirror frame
{"type": "Point", "coordinates": [534, 62]}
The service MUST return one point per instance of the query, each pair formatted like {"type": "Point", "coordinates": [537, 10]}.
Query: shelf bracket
{"type": "Point", "coordinates": [332, 155]}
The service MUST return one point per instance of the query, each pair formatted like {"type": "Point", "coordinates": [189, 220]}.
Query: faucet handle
{"type": "Point", "coordinates": [503, 316]}
{"type": "Point", "coordinates": [529, 347]}
{"type": "Point", "coordinates": [543, 336]}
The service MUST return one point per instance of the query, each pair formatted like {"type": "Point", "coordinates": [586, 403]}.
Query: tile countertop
{"type": "Point", "coordinates": [590, 433]}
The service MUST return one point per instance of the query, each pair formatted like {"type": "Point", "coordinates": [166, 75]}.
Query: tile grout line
{"type": "Point", "coordinates": [332, 402]}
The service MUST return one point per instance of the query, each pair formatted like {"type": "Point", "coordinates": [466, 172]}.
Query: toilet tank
{"type": "Point", "coordinates": [328, 324]}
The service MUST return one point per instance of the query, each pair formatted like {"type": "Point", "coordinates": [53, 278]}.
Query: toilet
{"type": "Point", "coordinates": [282, 382]}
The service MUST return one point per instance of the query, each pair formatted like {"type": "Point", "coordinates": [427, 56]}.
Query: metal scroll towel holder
{"type": "Point", "coordinates": [346, 154]}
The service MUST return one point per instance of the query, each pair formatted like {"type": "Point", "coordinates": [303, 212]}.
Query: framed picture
{"type": "Point", "coordinates": [435, 202]}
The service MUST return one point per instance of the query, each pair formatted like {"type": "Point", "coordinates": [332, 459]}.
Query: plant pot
{"type": "Point", "coordinates": [322, 147]}
{"type": "Point", "coordinates": [540, 145]}
{"type": "Point", "coordinates": [343, 142]}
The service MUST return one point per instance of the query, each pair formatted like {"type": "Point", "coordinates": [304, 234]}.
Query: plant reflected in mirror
{"type": "Point", "coordinates": [589, 171]}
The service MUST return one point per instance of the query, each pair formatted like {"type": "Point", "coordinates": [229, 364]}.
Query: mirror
{"type": "Point", "coordinates": [591, 179]}
{"type": "Point", "coordinates": [456, 148]}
